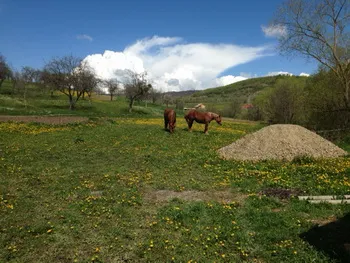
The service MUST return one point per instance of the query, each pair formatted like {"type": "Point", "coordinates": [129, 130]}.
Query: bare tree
{"type": "Point", "coordinates": [155, 95]}
{"type": "Point", "coordinates": [18, 82]}
{"type": "Point", "coordinates": [70, 76]}
{"type": "Point", "coordinates": [167, 99]}
{"type": "Point", "coordinates": [85, 80]}
{"type": "Point", "coordinates": [5, 70]}
{"type": "Point", "coordinates": [60, 76]}
{"type": "Point", "coordinates": [318, 29]}
{"type": "Point", "coordinates": [30, 75]}
{"type": "Point", "coordinates": [23, 79]}
{"type": "Point", "coordinates": [136, 87]}
{"type": "Point", "coordinates": [45, 83]}
{"type": "Point", "coordinates": [112, 86]}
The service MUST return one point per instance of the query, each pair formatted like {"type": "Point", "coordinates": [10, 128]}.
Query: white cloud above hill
{"type": "Point", "coordinates": [276, 73]}
{"type": "Point", "coordinates": [229, 79]}
{"type": "Point", "coordinates": [274, 30]}
{"type": "Point", "coordinates": [173, 65]}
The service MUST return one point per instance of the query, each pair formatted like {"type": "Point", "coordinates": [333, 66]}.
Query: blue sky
{"type": "Point", "coordinates": [210, 39]}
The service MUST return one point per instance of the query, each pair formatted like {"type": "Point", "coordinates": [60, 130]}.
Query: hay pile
{"type": "Point", "coordinates": [280, 142]}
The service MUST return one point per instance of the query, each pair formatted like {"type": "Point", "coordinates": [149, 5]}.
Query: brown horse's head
{"type": "Point", "coordinates": [217, 118]}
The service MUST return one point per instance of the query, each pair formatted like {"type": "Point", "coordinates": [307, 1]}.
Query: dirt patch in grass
{"type": "Point", "coordinates": [44, 119]}
{"type": "Point", "coordinates": [164, 196]}
{"type": "Point", "coordinates": [325, 221]}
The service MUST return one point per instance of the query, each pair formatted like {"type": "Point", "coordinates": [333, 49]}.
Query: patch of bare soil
{"type": "Point", "coordinates": [280, 142]}
{"type": "Point", "coordinates": [163, 196]}
{"type": "Point", "coordinates": [322, 222]}
{"type": "Point", "coordinates": [43, 119]}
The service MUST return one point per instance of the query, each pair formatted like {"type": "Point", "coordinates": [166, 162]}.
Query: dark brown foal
{"type": "Point", "coordinates": [169, 120]}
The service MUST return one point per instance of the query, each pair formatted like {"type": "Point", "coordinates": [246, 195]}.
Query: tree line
{"type": "Point", "coordinates": [75, 78]}
{"type": "Point", "coordinates": [319, 31]}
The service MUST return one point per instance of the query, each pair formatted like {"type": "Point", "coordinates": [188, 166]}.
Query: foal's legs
{"type": "Point", "coordinates": [186, 119]}
{"type": "Point", "coordinates": [190, 123]}
{"type": "Point", "coordinates": [165, 124]}
{"type": "Point", "coordinates": [206, 128]}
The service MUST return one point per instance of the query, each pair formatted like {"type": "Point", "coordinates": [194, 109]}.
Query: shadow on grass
{"type": "Point", "coordinates": [332, 239]}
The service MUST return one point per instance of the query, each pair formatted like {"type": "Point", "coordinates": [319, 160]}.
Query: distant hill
{"type": "Point", "coordinates": [242, 91]}
{"type": "Point", "coordinates": [177, 94]}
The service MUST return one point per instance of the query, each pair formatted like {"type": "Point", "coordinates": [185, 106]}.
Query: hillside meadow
{"type": "Point", "coordinates": [121, 189]}
{"type": "Point", "coordinates": [223, 98]}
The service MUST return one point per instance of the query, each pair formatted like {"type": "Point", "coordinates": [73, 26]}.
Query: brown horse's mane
{"type": "Point", "coordinates": [198, 106]}
{"type": "Point", "coordinates": [214, 115]}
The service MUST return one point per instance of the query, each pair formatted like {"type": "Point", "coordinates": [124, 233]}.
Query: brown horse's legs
{"type": "Point", "coordinates": [206, 128]}
{"type": "Point", "coordinates": [165, 124]}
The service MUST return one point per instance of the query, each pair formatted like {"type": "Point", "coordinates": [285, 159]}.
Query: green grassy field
{"type": "Point", "coordinates": [96, 192]}
{"type": "Point", "coordinates": [38, 102]}
{"type": "Point", "coordinates": [59, 106]}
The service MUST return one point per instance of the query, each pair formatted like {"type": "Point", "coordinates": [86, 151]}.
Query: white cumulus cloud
{"type": "Point", "coordinates": [106, 64]}
{"type": "Point", "coordinates": [173, 65]}
{"type": "Point", "coordinates": [304, 74]}
{"type": "Point", "coordinates": [85, 37]}
{"type": "Point", "coordinates": [276, 73]}
{"type": "Point", "coordinates": [274, 30]}
{"type": "Point", "coordinates": [229, 79]}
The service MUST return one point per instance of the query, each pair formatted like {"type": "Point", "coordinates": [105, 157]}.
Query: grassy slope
{"type": "Point", "coordinates": [78, 193]}
{"type": "Point", "coordinates": [243, 90]}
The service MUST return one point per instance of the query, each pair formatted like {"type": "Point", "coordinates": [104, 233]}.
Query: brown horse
{"type": "Point", "coordinates": [201, 117]}
{"type": "Point", "coordinates": [169, 119]}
